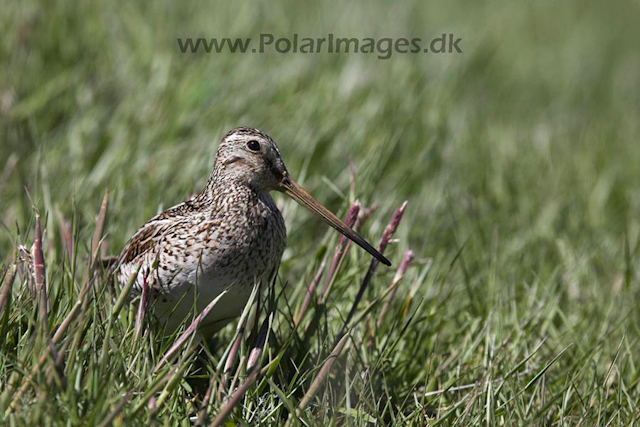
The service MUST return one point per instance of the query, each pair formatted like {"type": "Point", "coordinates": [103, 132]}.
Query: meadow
{"type": "Point", "coordinates": [519, 160]}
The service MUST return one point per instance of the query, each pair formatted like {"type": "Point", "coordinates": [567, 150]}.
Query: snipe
{"type": "Point", "coordinates": [227, 237]}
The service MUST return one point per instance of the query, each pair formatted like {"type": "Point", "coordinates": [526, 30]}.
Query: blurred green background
{"type": "Point", "coordinates": [530, 133]}
{"type": "Point", "coordinates": [523, 149]}
{"type": "Point", "coordinates": [526, 143]}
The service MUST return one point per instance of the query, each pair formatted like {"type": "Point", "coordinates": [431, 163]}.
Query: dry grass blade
{"type": "Point", "coordinates": [189, 331]}
{"type": "Point", "coordinates": [122, 298]}
{"type": "Point", "coordinates": [58, 336]}
{"type": "Point", "coordinates": [202, 413]}
{"type": "Point", "coordinates": [55, 372]}
{"type": "Point", "coordinates": [320, 378]}
{"type": "Point", "coordinates": [253, 366]}
{"type": "Point", "coordinates": [232, 349]}
{"type": "Point", "coordinates": [116, 410]}
{"type": "Point", "coordinates": [40, 280]}
{"type": "Point", "coordinates": [536, 377]}
{"type": "Point", "coordinates": [65, 235]}
{"type": "Point", "coordinates": [177, 375]}
{"type": "Point", "coordinates": [142, 309]}
{"type": "Point", "coordinates": [97, 234]}
{"type": "Point", "coordinates": [470, 386]}
{"type": "Point", "coordinates": [235, 398]}
{"type": "Point", "coordinates": [8, 282]}
{"type": "Point", "coordinates": [324, 371]}
{"type": "Point", "coordinates": [174, 374]}
{"type": "Point", "coordinates": [241, 390]}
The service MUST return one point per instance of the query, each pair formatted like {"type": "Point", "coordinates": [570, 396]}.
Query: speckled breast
{"type": "Point", "coordinates": [248, 248]}
{"type": "Point", "coordinates": [244, 244]}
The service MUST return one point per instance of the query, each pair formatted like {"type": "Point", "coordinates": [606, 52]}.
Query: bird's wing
{"type": "Point", "coordinates": [145, 239]}
{"type": "Point", "coordinates": [141, 251]}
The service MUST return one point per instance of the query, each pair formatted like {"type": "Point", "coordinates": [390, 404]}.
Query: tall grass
{"type": "Point", "coordinates": [519, 160]}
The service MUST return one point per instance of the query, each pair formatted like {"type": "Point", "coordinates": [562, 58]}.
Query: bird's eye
{"type": "Point", "coordinates": [253, 145]}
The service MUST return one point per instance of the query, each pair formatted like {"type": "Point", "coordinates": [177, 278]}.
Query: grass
{"type": "Point", "coordinates": [519, 160]}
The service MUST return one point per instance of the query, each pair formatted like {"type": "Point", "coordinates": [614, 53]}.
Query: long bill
{"type": "Point", "coordinates": [297, 193]}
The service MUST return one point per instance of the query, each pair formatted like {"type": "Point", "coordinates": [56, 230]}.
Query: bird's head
{"type": "Point", "coordinates": [251, 157]}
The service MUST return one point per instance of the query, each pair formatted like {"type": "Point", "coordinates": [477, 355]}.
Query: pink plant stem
{"type": "Point", "coordinates": [364, 215]}
{"type": "Point", "coordinates": [310, 291]}
{"type": "Point", "coordinates": [384, 241]}
{"type": "Point", "coordinates": [361, 218]}
{"type": "Point", "coordinates": [341, 248]}
{"type": "Point", "coordinates": [231, 358]}
{"type": "Point", "coordinates": [80, 306]}
{"type": "Point", "coordinates": [350, 220]}
{"type": "Point", "coordinates": [39, 274]}
{"type": "Point", "coordinates": [256, 352]}
{"type": "Point", "coordinates": [402, 269]}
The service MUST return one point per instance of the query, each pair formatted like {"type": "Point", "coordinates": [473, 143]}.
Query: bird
{"type": "Point", "coordinates": [226, 238]}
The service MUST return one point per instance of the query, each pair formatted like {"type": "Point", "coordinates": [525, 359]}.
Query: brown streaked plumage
{"type": "Point", "coordinates": [227, 237]}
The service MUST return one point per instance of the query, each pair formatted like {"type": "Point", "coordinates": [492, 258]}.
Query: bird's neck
{"type": "Point", "coordinates": [222, 187]}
